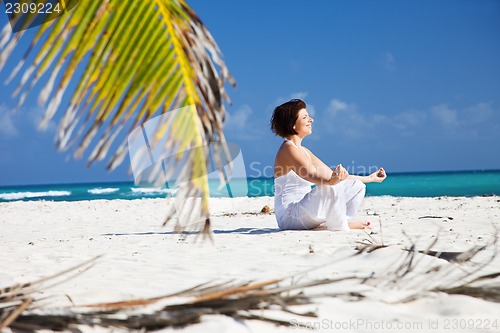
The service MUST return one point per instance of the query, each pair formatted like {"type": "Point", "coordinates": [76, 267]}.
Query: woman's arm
{"type": "Point", "coordinates": [376, 177]}
{"type": "Point", "coordinates": [319, 164]}
{"type": "Point", "coordinates": [295, 159]}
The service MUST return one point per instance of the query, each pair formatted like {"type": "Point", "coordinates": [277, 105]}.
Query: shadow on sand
{"type": "Point", "coordinates": [241, 231]}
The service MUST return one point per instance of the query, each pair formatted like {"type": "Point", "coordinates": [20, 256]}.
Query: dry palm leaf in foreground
{"type": "Point", "coordinates": [410, 275]}
{"type": "Point", "coordinates": [236, 301]}
{"type": "Point", "coordinates": [454, 272]}
{"type": "Point", "coordinates": [14, 300]}
{"type": "Point", "coordinates": [179, 309]}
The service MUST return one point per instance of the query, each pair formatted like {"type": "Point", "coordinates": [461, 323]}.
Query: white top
{"type": "Point", "coordinates": [289, 188]}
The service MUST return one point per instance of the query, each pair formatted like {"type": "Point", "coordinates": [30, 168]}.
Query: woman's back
{"type": "Point", "coordinates": [288, 188]}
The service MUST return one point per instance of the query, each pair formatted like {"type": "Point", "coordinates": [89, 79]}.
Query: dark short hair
{"type": "Point", "coordinates": [285, 116]}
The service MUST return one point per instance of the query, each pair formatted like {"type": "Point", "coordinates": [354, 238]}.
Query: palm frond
{"type": "Point", "coordinates": [15, 299]}
{"type": "Point", "coordinates": [130, 61]}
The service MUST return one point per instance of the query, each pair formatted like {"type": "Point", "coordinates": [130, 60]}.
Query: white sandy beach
{"type": "Point", "coordinates": [143, 259]}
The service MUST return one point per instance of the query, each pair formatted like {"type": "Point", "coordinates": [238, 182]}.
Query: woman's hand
{"type": "Point", "coordinates": [378, 176]}
{"type": "Point", "coordinates": [338, 175]}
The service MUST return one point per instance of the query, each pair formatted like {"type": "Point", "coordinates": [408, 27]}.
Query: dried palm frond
{"type": "Point", "coordinates": [410, 275]}
{"type": "Point", "coordinates": [17, 298]}
{"type": "Point", "coordinates": [455, 256]}
{"type": "Point", "coordinates": [182, 308]}
{"type": "Point", "coordinates": [489, 292]}
{"type": "Point", "coordinates": [475, 286]}
{"type": "Point", "coordinates": [456, 276]}
{"type": "Point", "coordinates": [239, 300]}
{"type": "Point", "coordinates": [370, 244]}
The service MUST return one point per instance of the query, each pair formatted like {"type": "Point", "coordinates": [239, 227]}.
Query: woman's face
{"type": "Point", "coordinates": [303, 125]}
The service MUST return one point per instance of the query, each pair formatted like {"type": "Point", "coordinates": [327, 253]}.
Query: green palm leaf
{"type": "Point", "coordinates": [137, 59]}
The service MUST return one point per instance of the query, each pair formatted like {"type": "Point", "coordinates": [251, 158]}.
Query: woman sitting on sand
{"type": "Point", "coordinates": [336, 199]}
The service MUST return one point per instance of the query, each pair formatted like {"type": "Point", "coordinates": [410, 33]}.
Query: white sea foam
{"type": "Point", "coordinates": [103, 190]}
{"type": "Point", "coordinates": [23, 195]}
{"type": "Point", "coordinates": [153, 191]}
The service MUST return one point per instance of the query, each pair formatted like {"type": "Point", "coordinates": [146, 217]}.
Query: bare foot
{"type": "Point", "coordinates": [322, 226]}
{"type": "Point", "coordinates": [358, 224]}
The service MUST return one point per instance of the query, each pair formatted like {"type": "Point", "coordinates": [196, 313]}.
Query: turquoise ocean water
{"type": "Point", "coordinates": [421, 184]}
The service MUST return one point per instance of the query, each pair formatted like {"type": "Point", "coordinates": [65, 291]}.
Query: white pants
{"type": "Point", "coordinates": [329, 204]}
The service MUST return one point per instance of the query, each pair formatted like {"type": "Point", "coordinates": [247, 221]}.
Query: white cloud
{"type": "Point", "coordinates": [344, 118]}
{"type": "Point", "coordinates": [336, 106]}
{"type": "Point", "coordinates": [479, 113]}
{"type": "Point", "coordinates": [7, 126]}
{"type": "Point", "coordinates": [299, 94]}
{"type": "Point", "coordinates": [407, 121]}
{"type": "Point", "coordinates": [242, 125]}
{"type": "Point", "coordinates": [447, 117]}
{"type": "Point", "coordinates": [238, 120]}
{"type": "Point", "coordinates": [11, 121]}
{"type": "Point", "coordinates": [36, 116]}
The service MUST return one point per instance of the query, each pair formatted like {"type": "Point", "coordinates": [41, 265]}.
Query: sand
{"type": "Point", "coordinates": [140, 258]}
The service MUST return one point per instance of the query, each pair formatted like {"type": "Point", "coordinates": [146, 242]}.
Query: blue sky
{"type": "Point", "coordinates": [408, 85]}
